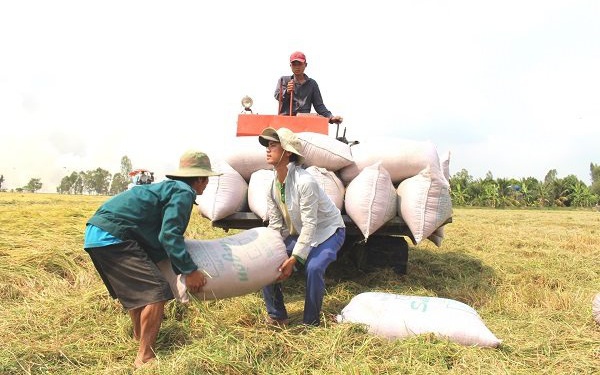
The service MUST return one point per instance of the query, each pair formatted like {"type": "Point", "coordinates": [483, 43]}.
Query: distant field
{"type": "Point", "coordinates": [530, 274]}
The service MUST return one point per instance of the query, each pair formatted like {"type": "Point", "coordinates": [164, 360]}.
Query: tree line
{"type": "Point", "coordinates": [525, 192]}
{"type": "Point", "coordinates": [464, 189]}
{"type": "Point", "coordinates": [98, 181]}
{"type": "Point", "coordinates": [32, 186]}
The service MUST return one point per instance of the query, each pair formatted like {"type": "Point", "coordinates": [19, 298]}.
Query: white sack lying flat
{"type": "Point", "coordinates": [424, 203]}
{"type": "Point", "coordinates": [596, 308]}
{"type": "Point", "coordinates": [371, 199]}
{"type": "Point", "coordinates": [330, 183]}
{"type": "Point", "coordinates": [323, 151]}
{"type": "Point", "coordinates": [239, 264]}
{"type": "Point", "coordinates": [246, 155]}
{"type": "Point", "coordinates": [400, 157]}
{"type": "Point", "coordinates": [399, 316]}
{"type": "Point", "coordinates": [260, 185]}
{"type": "Point", "coordinates": [224, 194]}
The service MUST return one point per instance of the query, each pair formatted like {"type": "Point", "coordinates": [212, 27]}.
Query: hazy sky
{"type": "Point", "coordinates": [511, 87]}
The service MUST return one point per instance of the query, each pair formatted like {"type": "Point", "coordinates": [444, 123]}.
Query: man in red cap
{"type": "Point", "coordinates": [302, 90]}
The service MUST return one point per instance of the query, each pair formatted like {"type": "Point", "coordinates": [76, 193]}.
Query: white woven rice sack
{"type": "Point", "coordinates": [596, 308]}
{"type": "Point", "coordinates": [424, 203]}
{"type": "Point", "coordinates": [245, 155]}
{"type": "Point", "coordinates": [224, 194]}
{"type": "Point", "coordinates": [258, 188]}
{"type": "Point", "coordinates": [437, 236]}
{"type": "Point", "coordinates": [399, 316]}
{"type": "Point", "coordinates": [239, 264]}
{"type": "Point", "coordinates": [400, 157]}
{"type": "Point", "coordinates": [445, 165]}
{"type": "Point", "coordinates": [323, 151]}
{"type": "Point", "coordinates": [178, 288]}
{"type": "Point", "coordinates": [371, 199]}
{"type": "Point", "coordinates": [330, 183]}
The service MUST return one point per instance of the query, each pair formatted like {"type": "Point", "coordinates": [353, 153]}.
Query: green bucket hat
{"type": "Point", "coordinates": [288, 139]}
{"type": "Point", "coordinates": [193, 164]}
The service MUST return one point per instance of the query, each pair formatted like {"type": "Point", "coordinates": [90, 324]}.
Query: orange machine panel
{"type": "Point", "coordinates": [249, 124]}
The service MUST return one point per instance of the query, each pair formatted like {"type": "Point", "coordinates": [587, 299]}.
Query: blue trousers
{"type": "Point", "coordinates": [319, 258]}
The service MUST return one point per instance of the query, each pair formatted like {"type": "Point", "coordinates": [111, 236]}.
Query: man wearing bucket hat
{"type": "Point", "coordinates": [302, 91]}
{"type": "Point", "coordinates": [310, 223]}
{"type": "Point", "coordinates": [133, 231]}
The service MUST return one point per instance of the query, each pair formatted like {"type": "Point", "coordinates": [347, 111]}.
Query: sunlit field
{"type": "Point", "coordinates": [530, 274]}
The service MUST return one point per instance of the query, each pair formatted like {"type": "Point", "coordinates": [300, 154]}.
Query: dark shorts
{"type": "Point", "coordinates": [130, 275]}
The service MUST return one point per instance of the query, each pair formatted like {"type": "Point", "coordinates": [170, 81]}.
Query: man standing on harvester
{"type": "Point", "coordinates": [302, 91]}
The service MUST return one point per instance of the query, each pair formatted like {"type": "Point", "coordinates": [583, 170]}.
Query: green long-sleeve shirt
{"type": "Point", "coordinates": [154, 215]}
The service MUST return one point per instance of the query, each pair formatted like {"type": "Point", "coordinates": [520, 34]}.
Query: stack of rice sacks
{"type": "Point", "coordinates": [372, 182]}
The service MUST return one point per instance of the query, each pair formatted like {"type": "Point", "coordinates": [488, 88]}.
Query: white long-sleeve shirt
{"type": "Point", "coordinates": [311, 212]}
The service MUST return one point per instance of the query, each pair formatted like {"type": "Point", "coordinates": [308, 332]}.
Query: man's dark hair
{"type": "Point", "coordinates": [294, 158]}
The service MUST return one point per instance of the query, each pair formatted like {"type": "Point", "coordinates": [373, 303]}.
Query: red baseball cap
{"type": "Point", "coordinates": [297, 56]}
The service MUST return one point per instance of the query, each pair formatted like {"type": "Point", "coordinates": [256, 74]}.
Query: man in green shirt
{"type": "Point", "coordinates": [138, 228]}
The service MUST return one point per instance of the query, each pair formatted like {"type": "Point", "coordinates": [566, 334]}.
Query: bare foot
{"type": "Point", "coordinates": [139, 363]}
